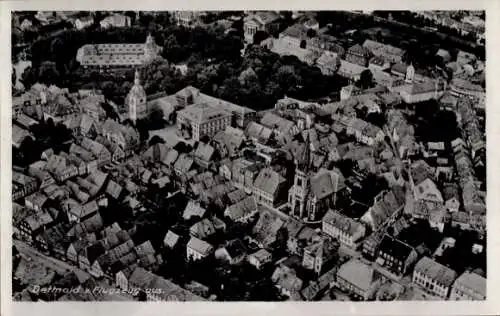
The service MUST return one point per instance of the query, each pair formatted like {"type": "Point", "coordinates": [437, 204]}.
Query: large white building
{"type": "Point", "coordinates": [203, 120]}
{"type": "Point", "coordinates": [346, 230]}
{"type": "Point", "coordinates": [118, 55]}
{"type": "Point", "coordinates": [433, 277]}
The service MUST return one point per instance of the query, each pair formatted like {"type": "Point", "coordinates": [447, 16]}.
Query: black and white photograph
{"type": "Point", "coordinates": [256, 156]}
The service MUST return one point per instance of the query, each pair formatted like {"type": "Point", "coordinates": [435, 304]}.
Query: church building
{"type": "Point", "coordinates": [313, 193]}
{"type": "Point", "coordinates": [136, 100]}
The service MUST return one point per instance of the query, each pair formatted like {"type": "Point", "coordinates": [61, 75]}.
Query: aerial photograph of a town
{"type": "Point", "coordinates": [248, 156]}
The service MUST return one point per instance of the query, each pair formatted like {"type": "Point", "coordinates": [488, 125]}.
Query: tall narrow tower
{"type": "Point", "coordinates": [136, 99]}
{"type": "Point", "coordinates": [300, 189]}
{"type": "Point", "coordinates": [150, 48]}
{"type": "Point", "coordinates": [410, 74]}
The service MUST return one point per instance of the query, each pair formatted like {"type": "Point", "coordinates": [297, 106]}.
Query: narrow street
{"type": "Point", "coordinates": [62, 268]}
{"type": "Point", "coordinates": [58, 266]}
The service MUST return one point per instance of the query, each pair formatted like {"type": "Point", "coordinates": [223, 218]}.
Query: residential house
{"type": "Point", "coordinates": [203, 155]}
{"type": "Point", "coordinates": [126, 137]}
{"type": "Point", "coordinates": [116, 20]}
{"type": "Point", "coordinates": [464, 58]}
{"type": "Point", "coordinates": [91, 103]}
{"type": "Point", "coordinates": [193, 209]}
{"type": "Point", "coordinates": [186, 18]}
{"type": "Point", "coordinates": [346, 230]}
{"type": "Point", "coordinates": [265, 21]}
{"type": "Point", "coordinates": [389, 53]}
{"type": "Point", "coordinates": [35, 224]}
{"type": "Point", "coordinates": [286, 280]}
{"type": "Point", "coordinates": [259, 258]}
{"type": "Point", "coordinates": [36, 201]}
{"type": "Point", "coordinates": [461, 219]}
{"type": "Point", "coordinates": [103, 263]}
{"type": "Point", "coordinates": [233, 252]}
{"type": "Point", "coordinates": [396, 256]}
{"type": "Point", "coordinates": [22, 185]}
{"type": "Point", "coordinates": [183, 165]}
{"type": "Point", "coordinates": [428, 192]}
{"type": "Point", "coordinates": [318, 254]}
{"type": "Point", "coordinates": [243, 210]}
{"type": "Point", "coordinates": [19, 135]}
{"type": "Point", "coordinates": [378, 64]}
{"type": "Point", "coordinates": [359, 279]}
{"type": "Point", "coordinates": [82, 125]}
{"type": "Point", "coordinates": [89, 226]}
{"type": "Point", "coordinates": [197, 249]}
{"type": "Point", "coordinates": [469, 286]}
{"type": "Point", "coordinates": [451, 197]}
{"type": "Point", "coordinates": [433, 277]}
{"type": "Point", "coordinates": [258, 133]}
{"type": "Point", "coordinates": [98, 150]}
{"type": "Point", "coordinates": [359, 55]}
{"type": "Point", "coordinates": [266, 229]}
{"type": "Point", "coordinates": [122, 277]}
{"type": "Point", "coordinates": [268, 187]}
{"type": "Point", "coordinates": [328, 62]}
{"type": "Point", "coordinates": [54, 241]}
{"type": "Point", "coordinates": [207, 227]}
{"type": "Point", "coordinates": [171, 240]}
{"type": "Point", "coordinates": [387, 206]}
{"type": "Point", "coordinates": [279, 125]}
{"type": "Point", "coordinates": [78, 212]}
{"type": "Point", "coordinates": [229, 142]}
{"type": "Point", "coordinates": [84, 22]}
{"type": "Point", "coordinates": [351, 71]}
{"type": "Point", "coordinates": [117, 153]}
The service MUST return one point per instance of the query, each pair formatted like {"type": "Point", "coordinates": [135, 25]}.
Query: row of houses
{"type": "Point", "coordinates": [439, 281]}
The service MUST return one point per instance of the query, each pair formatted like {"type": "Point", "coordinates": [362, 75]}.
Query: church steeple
{"type": "Point", "coordinates": [305, 159]}
{"type": "Point", "coordinates": [136, 99]}
{"type": "Point", "coordinates": [137, 78]}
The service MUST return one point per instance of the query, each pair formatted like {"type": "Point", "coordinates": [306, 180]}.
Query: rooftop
{"type": "Point", "coordinates": [436, 271]}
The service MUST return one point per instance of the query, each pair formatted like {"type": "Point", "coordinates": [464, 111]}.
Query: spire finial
{"type": "Point", "coordinates": [306, 154]}
{"type": "Point", "coordinates": [137, 77]}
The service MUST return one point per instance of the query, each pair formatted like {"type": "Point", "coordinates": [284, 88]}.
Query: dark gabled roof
{"type": "Point", "coordinates": [395, 248]}
{"type": "Point", "coordinates": [235, 248]}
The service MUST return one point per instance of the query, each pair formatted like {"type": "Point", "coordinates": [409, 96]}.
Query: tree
{"type": "Point", "coordinates": [48, 73]}
{"type": "Point", "coordinates": [57, 48]}
{"type": "Point", "coordinates": [131, 15]}
{"type": "Point", "coordinates": [311, 33]}
{"type": "Point", "coordinates": [365, 79]}
{"type": "Point", "coordinates": [13, 76]}
{"type": "Point", "coordinates": [205, 139]}
{"type": "Point", "coordinates": [156, 140]}
{"type": "Point", "coordinates": [259, 36]}
{"type": "Point", "coordinates": [172, 51]}
{"type": "Point", "coordinates": [145, 19]}
{"type": "Point", "coordinates": [29, 77]}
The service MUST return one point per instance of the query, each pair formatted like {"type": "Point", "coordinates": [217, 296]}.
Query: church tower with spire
{"type": "Point", "coordinates": [299, 192]}
{"type": "Point", "coordinates": [136, 100]}
{"type": "Point", "coordinates": [150, 48]}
